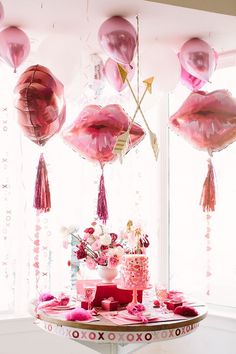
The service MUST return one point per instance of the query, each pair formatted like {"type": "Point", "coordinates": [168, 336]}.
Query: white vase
{"type": "Point", "coordinates": [107, 274]}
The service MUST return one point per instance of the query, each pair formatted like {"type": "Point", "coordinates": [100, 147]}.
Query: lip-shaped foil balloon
{"type": "Point", "coordinates": [207, 120]}
{"type": "Point", "coordinates": [94, 132]}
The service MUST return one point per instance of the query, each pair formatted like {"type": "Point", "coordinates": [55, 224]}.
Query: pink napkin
{"type": "Point", "coordinates": [156, 317]}
{"type": "Point", "coordinates": [60, 315]}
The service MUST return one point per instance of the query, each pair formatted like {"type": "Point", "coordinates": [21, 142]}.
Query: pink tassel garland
{"type": "Point", "coordinates": [102, 211]}
{"type": "Point", "coordinates": [42, 199]}
{"type": "Point", "coordinates": [208, 199]}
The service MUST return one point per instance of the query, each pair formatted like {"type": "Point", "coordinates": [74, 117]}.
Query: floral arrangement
{"type": "Point", "coordinates": [97, 246]}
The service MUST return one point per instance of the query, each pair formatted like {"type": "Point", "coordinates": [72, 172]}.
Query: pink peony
{"type": "Point", "coordinates": [102, 260]}
{"type": "Point", "coordinates": [89, 230]}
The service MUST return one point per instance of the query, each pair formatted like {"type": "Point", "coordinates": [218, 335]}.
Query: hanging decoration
{"type": "Point", "coordinates": [7, 259]}
{"type": "Point", "coordinates": [94, 73]}
{"type": "Point", "coordinates": [14, 46]}
{"type": "Point", "coordinates": [117, 37]}
{"type": "Point", "coordinates": [41, 113]}
{"type": "Point", "coordinates": [121, 143]}
{"type": "Point", "coordinates": [208, 122]}
{"type": "Point", "coordinates": [121, 78]}
{"type": "Point", "coordinates": [94, 134]}
{"type": "Point", "coordinates": [198, 62]}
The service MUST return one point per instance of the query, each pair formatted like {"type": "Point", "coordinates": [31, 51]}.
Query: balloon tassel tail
{"type": "Point", "coordinates": [208, 200]}
{"type": "Point", "coordinates": [42, 199]}
{"type": "Point", "coordinates": [102, 210]}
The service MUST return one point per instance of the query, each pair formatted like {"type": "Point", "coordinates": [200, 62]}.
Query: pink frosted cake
{"type": "Point", "coordinates": [134, 271]}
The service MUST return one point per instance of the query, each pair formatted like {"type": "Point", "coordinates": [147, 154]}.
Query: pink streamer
{"type": "Point", "coordinates": [42, 199]}
{"type": "Point", "coordinates": [208, 199]}
{"type": "Point", "coordinates": [102, 211]}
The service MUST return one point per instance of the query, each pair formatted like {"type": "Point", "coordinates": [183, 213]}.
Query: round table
{"type": "Point", "coordinates": [114, 338]}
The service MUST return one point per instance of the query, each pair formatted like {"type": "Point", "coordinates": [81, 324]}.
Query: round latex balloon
{"type": "Point", "coordinates": [40, 104]}
{"type": "Point", "coordinates": [207, 120]}
{"type": "Point", "coordinates": [198, 58]}
{"type": "Point", "coordinates": [117, 37]}
{"type": "Point", "coordinates": [113, 76]}
{"type": "Point", "coordinates": [94, 132]}
{"type": "Point", "coordinates": [14, 46]}
{"type": "Point", "coordinates": [161, 62]}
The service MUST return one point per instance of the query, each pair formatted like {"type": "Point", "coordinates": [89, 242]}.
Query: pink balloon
{"type": "Point", "coordinates": [207, 120]}
{"type": "Point", "coordinates": [190, 81]}
{"type": "Point", "coordinates": [117, 37]}
{"type": "Point", "coordinates": [40, 103]}
{"type": "Point", "coordinates": [198, 58]}
{"type": "Point", "coordinates": [14, 46]}
{"type": "Point", "coordinates": [113, 76]}
{"type": "Point", "coordinates": [94, 132]}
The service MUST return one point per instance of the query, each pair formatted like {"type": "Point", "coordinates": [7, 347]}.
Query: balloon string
{"type": "Point", "coordinates": [208, 250]}
{"type": "Point", "coordinates": [87, 11]}
{"type": "Point", "coordinates": [138, 61]}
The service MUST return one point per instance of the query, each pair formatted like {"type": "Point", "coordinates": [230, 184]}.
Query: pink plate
{"type": "Point", "coordinates": [62, 308]}
{"type": "Point", "coordinates": [125, 314]}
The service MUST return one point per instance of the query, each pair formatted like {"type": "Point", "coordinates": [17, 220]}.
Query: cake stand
{"type": "Point", "coordinates": [135, 292]}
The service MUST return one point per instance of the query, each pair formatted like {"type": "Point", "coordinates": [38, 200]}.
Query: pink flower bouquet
{"type": "Point", "coordinates": [97, 246]}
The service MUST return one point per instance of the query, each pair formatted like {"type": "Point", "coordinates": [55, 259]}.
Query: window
{"type": "Point", "coordinates": [132, 193]}
{"type": "Point", "coordinates": [187, 171]}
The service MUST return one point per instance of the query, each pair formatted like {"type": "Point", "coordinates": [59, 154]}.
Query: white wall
{"type": "Point", "coordinates": [215, 336]}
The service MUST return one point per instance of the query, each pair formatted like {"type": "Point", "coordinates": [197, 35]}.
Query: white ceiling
{"type": "Point", "coordinates": [65, 29]}
{"type": "Point", "coordinates": [82, 18]}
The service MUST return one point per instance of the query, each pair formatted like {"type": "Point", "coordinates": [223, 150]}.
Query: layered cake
{"type": "Point", "coordinates": [134, 271]}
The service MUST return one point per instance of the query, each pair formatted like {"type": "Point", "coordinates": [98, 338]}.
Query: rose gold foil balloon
{"type": "Point", "coordinates": [117, 37]}
{"type": "Point", "coordinates": [94, 132]}
{"type": "Point", "coordinates": [14, 46]}
{"type": "Point", "coordinates": [198, 58]}
{"type": "Point", "coordinates": [207, 120]}
{"type": "Point", "coordinates": [41, 113]}
{"type": "Point", "coordinates": [40, 104]}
